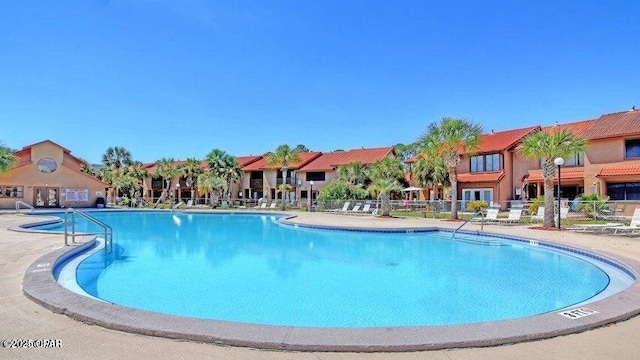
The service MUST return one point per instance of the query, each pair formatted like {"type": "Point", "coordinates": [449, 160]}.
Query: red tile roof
{"type": "Point", "coordinates": [246, 160]}
{"type": "Point", "coordinates": [493, 177]}
{"type": "Point", "coordinates": [565, 175]}
{"type": "Point", "coordinates": [503, 140]}
{"type": "Point", "coordinates": [330, 161]}
{"type": "Point", "coordinates": [617, 124]}
{"type": "Point", "coordinates": [577, 127]}
{"type": "Point", "coordinates": [619, 170]}
{"type": "Point", "coordinates": [261, 164]}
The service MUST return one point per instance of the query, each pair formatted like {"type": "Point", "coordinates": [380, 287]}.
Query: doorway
{"type": "Point", "coordinates": [46, 197]}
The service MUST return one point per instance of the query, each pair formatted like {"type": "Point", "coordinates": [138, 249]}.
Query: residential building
{"type": "Point", "coordinates": [322, 169]}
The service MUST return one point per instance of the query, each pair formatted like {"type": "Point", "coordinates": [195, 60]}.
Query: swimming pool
{"type": "Point", "coordinates": [248, 268]}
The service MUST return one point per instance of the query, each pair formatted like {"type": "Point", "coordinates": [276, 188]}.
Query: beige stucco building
{"type": "Point", "coordinates": [46, 175]}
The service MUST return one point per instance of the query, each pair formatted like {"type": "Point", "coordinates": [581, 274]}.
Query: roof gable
{"type": "Point", "coordinates": [503, 140]}
{"type": "Point", "coordinates": [616, 124]}
{"type": "Point", "coordinates": [330, 161]}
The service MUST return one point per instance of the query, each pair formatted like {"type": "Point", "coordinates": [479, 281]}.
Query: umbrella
{"type": "Point", "coordinates": [412, 188]}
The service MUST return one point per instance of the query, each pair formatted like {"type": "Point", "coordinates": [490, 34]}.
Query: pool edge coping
{"type": "Point", "coordinates": [40, 286]}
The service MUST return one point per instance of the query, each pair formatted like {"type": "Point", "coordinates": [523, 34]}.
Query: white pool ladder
{"type": "Point", "coordinates": [108, 231]}
{"type": "Point", "coordinates": [23, 204]}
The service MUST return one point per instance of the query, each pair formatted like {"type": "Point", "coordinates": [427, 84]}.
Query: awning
{"type": "Point", "coordinates": [565, 175]}
{"type": "Point", "coordinates": [492, 177]}
{"type": "Point", "coordinates": [619, 171]}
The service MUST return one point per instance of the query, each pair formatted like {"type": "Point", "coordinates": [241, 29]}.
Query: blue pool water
{"type": "Point", "coordinates": [247, 268]}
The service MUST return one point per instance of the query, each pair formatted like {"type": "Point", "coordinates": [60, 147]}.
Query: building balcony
{"type": "Point", "coordinates": [290, 181]}
{"type": "Point", "coordinates": [255, 183]}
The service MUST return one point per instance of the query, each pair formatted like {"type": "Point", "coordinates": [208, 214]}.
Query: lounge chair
{"type": "Point", "coordinates": [594, 227]}
{"type": "Point", "coordinates": [263, 205]}
{"type": "Point", "coordinates": [355, 209]}
{"type": "Point", "coordinates": [564, 212]}
{"type": "Point", "coordinates": [539, 216]}
{"type": "Point", "coordinates": [514, 217]}
{"type": "Point", "coordinates": [632, 228]}
{"type": "Point", "coordinates": [366, 210]}
{"type": "Point", "coordinates": [345, 208]}
{"type": "Point", "coordinates": [273, 205]}
{"type": "Point", "coordinates": [490, 216]}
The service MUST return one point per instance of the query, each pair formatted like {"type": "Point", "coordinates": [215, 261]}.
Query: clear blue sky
{"type": "Point", "coordinates": [177, 78]}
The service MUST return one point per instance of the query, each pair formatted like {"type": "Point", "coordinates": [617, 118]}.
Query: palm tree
{"type": "Point", "coordinates": [430, 172]}
{"type": "Point", "coordinates": [386, 175]}
{"type": "Point", "coordinates": [167, 170]}
{"type": "Point", "coordinates": [191, 169]}
{"type": "Point", "coordinates": [138, 172]}
{"type": "Point", "coordinates": [283, 157]}
{"type": "Point", "coordinates": [7, 159]}
{"type": "Point", "coordinates": [210, 183]}
{"type": "Point", "coordinates": [113, 159]}
{"type": "Point", "coordinates": [354, 173]}
{"type": "Point", "coordinates": [116, 157]}
{"type": "Point", "coordinates": [548, 146]}
{"type": "Point", "coordinates": [445, 141]}
{"type": "Point", "coordinates": [224, 166]}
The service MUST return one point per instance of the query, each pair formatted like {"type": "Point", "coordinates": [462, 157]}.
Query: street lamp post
{"type": "Point", "coordinates": [311, 196]}
{"type": "Point", "coordinates": [559, 162]}
{"type": "Point", "coordinates": [177, 192]}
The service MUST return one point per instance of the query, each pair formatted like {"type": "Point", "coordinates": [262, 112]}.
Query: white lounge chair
{"type": "Point", "coordinates": [366, 210]}
{"type": "Point", "coordinates": [345, 208]}
{"type": "Point", "coordinates": [564, 212]}
{"type": "Point", "coordinates": [539, 216]}
{"type": "Point", "coordinates": [273, 204]}
{"type": "Point", "coordinates": [514, 217]}
{"type": "Point", "coordinates": [594, 227]}
{"type": "Point", "coordinates": [490, 216]}
{"type": "Point", "coordinates": [632, 228]}
{"type": "Point", "coordinates": [355, 209]}
{"type": "Point", "coordinates": [263, 205]}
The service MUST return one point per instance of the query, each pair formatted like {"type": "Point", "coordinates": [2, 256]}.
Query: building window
{"type": "Point", "coordinates": [47, 165]}
{"type": "Point", "coordinates": [316, 176]}
{"type": "Point", "coordinates": [632, 148]}
{"type": "Point", "coordinates": [575, 160]}
{"type": "Point", "coordinates": [493, 162]}
{"type": "Point", "coordinates": [477, 163]}
{"type": "Point", "coordinates": [490, 162]}
{"type": "Point", "coordinates": [11, 191]}
{"type": "Point", "coordinates": [624, 191]}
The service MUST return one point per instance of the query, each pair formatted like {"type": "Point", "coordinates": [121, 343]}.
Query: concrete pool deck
{"type": "Point", "coordinates": [23, 319]}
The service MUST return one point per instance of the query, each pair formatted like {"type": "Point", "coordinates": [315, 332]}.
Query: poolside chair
{"type": "Point", "coordinates": [594, 227]}
{"type": "Point", "coordinates": [366, 210]}
{"type": "Point", "coordinates": [490, 216]}
{"type": "Point", "coordinates": [355, 209]}
{"type": "Point", "coordinates": [514, 217]}
{"type": "Point", "coordinates": [263, 205]}
{"type": "Point", "coordinates": [539, 216]}
{"type": "Point", "coordinates": [273, 205]}
{"type": "Point", "coordinates": [632, 228]}
{"type": "Point", "coordinates": [345, 208]}
{"type": "Point", "coordinates": [564, 212]}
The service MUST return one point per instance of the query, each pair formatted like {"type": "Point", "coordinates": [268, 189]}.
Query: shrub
{"type": "Point", "coordinates": [535, 204]}
{"type": "Point", "coordinates": [477, 205]}
{"type": "Point", "coordinates": [592, 205]}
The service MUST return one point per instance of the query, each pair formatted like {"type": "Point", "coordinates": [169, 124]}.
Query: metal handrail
{"type": "Point", "coordinates": [108, 231]}
{"type": "Point", "coordinates": [466, 221]}
{"type": "Point", "coordinates": [20, 202]}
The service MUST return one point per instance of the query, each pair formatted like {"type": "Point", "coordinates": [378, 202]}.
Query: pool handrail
{"type": "Point", "coordinates": [108, 231]}
{"type": "Point", "coordinates": [466, 221]}
{"type": "Point", "coordinates": [24, 204]}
